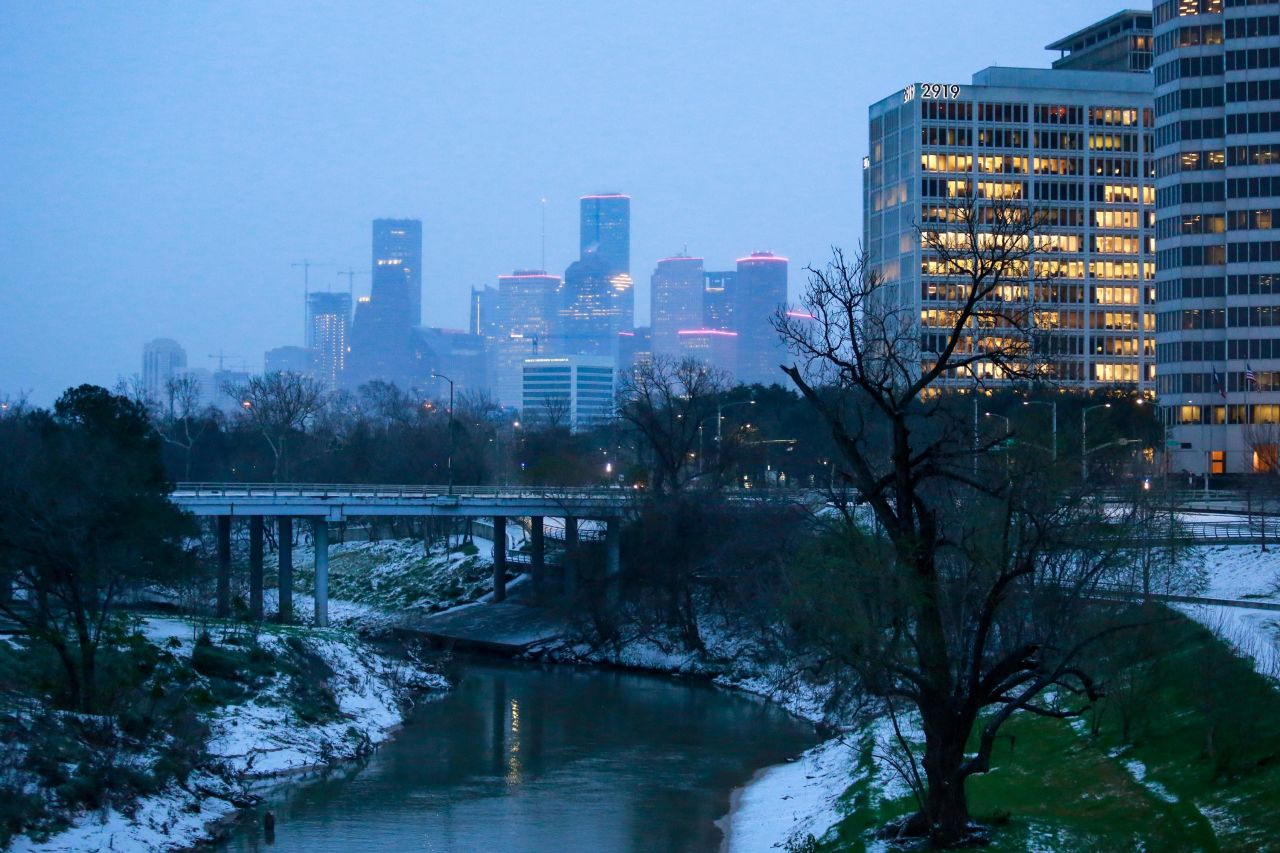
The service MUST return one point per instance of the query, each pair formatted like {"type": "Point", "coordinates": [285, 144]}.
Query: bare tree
{"type": "Point", "coordinates": [967, 604]}
{"type": "Point", "coordinates": [187, 420]}
{"type": "Point", "coordinates": [279, 404]}
{"type": "Point", "coordinates": [665, 401]}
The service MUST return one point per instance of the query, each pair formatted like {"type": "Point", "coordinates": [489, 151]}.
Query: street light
{"type": "Point", "coordinates": [1007, 431]}
{"type": "Point", "coordinates": [1053, 405]}
{"type": "Point", "coordinates": [450, 463]}
{"type": "Point", "coordinates": [1084, 439]}
{"type": "Point", "coordinates": [720, 407]}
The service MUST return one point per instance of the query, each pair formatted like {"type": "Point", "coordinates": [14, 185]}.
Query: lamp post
{"type": "Point", "coordinates": [1007, 432]}
{"type": "Point", "coordinates": [1084, 438]}
{"type": "Point", "coordinates": [450, 462]}
{"type": "Point", "coordinates": [720, 407]}
{"type": "Point", "coordinates": [1053, 405]}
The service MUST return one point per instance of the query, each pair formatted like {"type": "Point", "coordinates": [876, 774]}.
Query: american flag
{"type": "Point", "coordinates": [1249, 375]}
{"type": "Point", "coordinates": [1217, 383]}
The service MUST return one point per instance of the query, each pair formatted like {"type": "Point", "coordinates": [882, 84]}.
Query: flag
{"type": "Point", "coordinates": [1249, 375]}
{"type": "Point", "coordinates": [1217, 383]}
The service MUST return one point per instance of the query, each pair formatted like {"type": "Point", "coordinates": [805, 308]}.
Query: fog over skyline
{"type": "Point", "coordinates": [164, 165]}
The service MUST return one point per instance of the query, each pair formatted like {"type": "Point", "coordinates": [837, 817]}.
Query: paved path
{"type": "Point", "coordinates": [507, 628]}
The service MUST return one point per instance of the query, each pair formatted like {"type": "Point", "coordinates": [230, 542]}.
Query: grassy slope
{"type": "Point", "coordinates": [1209, 745]}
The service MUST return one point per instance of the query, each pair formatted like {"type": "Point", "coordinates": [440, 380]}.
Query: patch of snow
{"type": "Point", "coordinates": [1252, 633]}
{"type": "Point", "coordinates": [1242, 571]}
{"type": "Point", "coordinates": [790, 799]}
{"type": "Point", "coordinates": [1138, 771]}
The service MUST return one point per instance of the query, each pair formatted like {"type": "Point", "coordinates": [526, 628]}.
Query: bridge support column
{"type": "Point", "coordinates": [224, 566]}
{"type": "Point", "coordinates": [255, 567]}
{"type": "Point", "coordinates": [284, 577]}
{"type": "Point", "coordinates": [612, 548]}
{"type": "Point", "coordinates": [320, 536]}
{"type": "Point", "coordinates": [539, 557]}
{"type": "Point", "coordinates": [499, 558]}
{"type": "Point", "coordinates": [570, 565]}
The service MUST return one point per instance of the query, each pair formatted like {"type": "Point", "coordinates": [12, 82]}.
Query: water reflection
{"type": "Point", "coordinates": [527, 758]}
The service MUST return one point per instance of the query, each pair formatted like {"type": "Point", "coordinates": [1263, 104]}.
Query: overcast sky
{"type": "Point", "coordinates": [163, 164]}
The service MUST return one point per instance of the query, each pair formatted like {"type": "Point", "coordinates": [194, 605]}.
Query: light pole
{"type": "Point", "coordinates": [1053, 405]}
{"type": "Point", "coordinates": [720, 407]}
{"type": "Point", "coordinates": [1007, 432]}
{"type": "Point", "coordinates": [1084, 438]}
{"type": "Point", "coordinates": [450, 463]}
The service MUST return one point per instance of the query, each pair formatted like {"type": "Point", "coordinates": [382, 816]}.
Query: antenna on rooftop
{"type": "Point", "coordinates": [544, 234]}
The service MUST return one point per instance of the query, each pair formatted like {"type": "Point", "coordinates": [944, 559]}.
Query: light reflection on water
{"type": "Point", "coordinates": [545, 760]}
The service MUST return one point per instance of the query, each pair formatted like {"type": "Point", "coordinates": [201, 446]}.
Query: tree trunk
{"type": "Point", "coordinates": [945, 818]}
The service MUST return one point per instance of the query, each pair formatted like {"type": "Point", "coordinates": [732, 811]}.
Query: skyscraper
{"type": "Point", "coordinates": [1217, 155]}
{"type": "Point", "coordinates": [528, 318]}
{"type": "Point", "coordinates": [382, 335]}
{"type": "Point", "coordinates": [1121, 42]}
{"type": "Point", "coordinates": [605, 231]}
{"type": "Point", "coordinates": [717, 302]}
{"type": "Point", "coordinates": [328, 334]}
{"type": "Point", "coordinates": [299, 360]}
{"type": "Point", "coordinates": [595, 305]}
{"type": "Point", "coordinates": [1073, 145]}
{"type": "Point", "coordinates": [397, 269]}
{"type": "Point", "coordinates": [676, 297]}
{"type": "Point", "coordinates": [482, 319]}
{"type": "Point", "coordinates": [760, 288]}
{"type": "Point", "coordinates": [161, 360]}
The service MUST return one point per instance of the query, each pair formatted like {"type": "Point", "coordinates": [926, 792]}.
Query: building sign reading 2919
{"type": "Point", "coordinates": [932, 92]}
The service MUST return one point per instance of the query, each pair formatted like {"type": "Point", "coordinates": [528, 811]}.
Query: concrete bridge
{"type": "Point", "coordinates": [320, 504]}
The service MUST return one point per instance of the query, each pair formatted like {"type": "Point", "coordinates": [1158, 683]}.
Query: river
{"type": "Point", "coordinates": [525, 758]}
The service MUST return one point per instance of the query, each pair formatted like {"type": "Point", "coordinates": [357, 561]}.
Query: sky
{"type": "Point", "coordinates": [163, 165]}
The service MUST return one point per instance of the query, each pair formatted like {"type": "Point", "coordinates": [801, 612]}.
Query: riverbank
{"type": "Point", "coordinates": [270, 700]}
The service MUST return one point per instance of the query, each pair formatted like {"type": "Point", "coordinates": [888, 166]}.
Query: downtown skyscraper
{"type": "Point", "coordinates": [382, 334]}
{"type": "Point", "coordinates": [759, 291]}
{"type": "Point", "coordinates": [597, 299]}
{"type": "Point", "coordinates": [676, 301]}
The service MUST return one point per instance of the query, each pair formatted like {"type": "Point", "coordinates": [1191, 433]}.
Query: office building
{"type": "Point", "coordinates": [635, 348]}
{"type": "Point", "coordinates": [605, 231]}
{"type": "Point", "coordinates": [461, 356]}
{"type": "Point", "coordinates": [482, 318]}
{"type": "Point", "coordinates": [329, 335]}
{"type": "Point", "coordinates": [676, 301]}
{"type": "Point", "coordinates": [161, 361]}
{"type": "Point", "coordinates": [596, 304]}
{"type": "Point", "coordinates": [759, 290]}
{"type": "Point", "coordinates": [299, 360]}
{"type": "Point", "coordinates": [1075, 146]}
{"type": "Point", "coordinates": [382, 333]}
{"type": "Point", "coordinates": [570, 390]}
{"type": "Point", "coordinates": [1217, 97]}
{"type": "Point", "coordinates": [716, 348]}
{"type": "Point", "coordinates": [527, 323]}
{"type": "Point", "coordinates": [1122, 42]}
{"type": "Point", "coordinates": [717, 299]}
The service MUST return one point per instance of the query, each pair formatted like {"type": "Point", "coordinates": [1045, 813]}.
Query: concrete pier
{"type": "Point", "coordinates": [284, 574]}
{"type": "Point", "coordinates": [320, 536]}
{"type": "Point", "coordinates": [223, 610]}
{"type": "Point", "coordinates": [256, 525]}
{"type": "Point", "coordinates": [499, 558]}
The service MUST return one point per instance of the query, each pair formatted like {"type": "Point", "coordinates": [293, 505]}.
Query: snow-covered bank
{"type": "Point", "coordinates": [357, 698]}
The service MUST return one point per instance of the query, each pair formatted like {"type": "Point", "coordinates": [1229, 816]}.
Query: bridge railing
{"type": "Point", "coordinates": [377, 491]}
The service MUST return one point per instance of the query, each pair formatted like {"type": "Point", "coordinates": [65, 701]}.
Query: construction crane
{"type": "Point", "coordinates": [351, 274]}
{"type": "Point", "coordinates": [306, 264]}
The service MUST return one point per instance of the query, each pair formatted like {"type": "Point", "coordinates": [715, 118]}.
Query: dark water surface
{"type": "Point", "coordinates": [522, 758]}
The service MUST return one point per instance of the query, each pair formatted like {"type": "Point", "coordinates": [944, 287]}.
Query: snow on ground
{"type": "Point", "coordinates": [1242, 571]}
{"type": "Point", "coordinates": [174, 819]}
{"type": "Point", "coordinates": [262, 737]}
{"type": "Point", "coordinates": [1252, 633]}
{"type": "Point", "coordinates": [790, 799]}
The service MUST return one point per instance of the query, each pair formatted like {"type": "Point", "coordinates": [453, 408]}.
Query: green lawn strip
{"type": "Point", "coordinates": [1207, 735]}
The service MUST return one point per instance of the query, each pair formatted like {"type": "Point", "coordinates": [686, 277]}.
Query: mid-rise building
{"type": "Point", "coordinates": [1217, 98]}
{"type": "Point", "coordinates": [528, 323]}
{"type": "Point", "coordinates": [162, 359]}
{"type": "Point", "coordinates": [329, 335]}
{"type": "Point", "coordinates": [676, 301]}
{"type": "Point", "coordinates": [1076, 148]}
{"type": "Point", "coordinates": [569, 390]}
{"type": "Point", "coordinates": [299, 360]}
{"type": "Point", "coordinates": [759, 290]}
{"type": "Point", "coordinates": [717, 348]}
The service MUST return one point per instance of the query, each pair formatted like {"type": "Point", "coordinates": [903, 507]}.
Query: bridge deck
{"type": "Point", "coordinates": [338, 502]}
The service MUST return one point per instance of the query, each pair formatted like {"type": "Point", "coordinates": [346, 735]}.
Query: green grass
{"type": "Point", "coordinates": [1210, 739]}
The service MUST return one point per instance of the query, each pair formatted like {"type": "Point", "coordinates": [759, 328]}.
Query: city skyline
{"type": "Point", "coordinates": [162, 207]}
